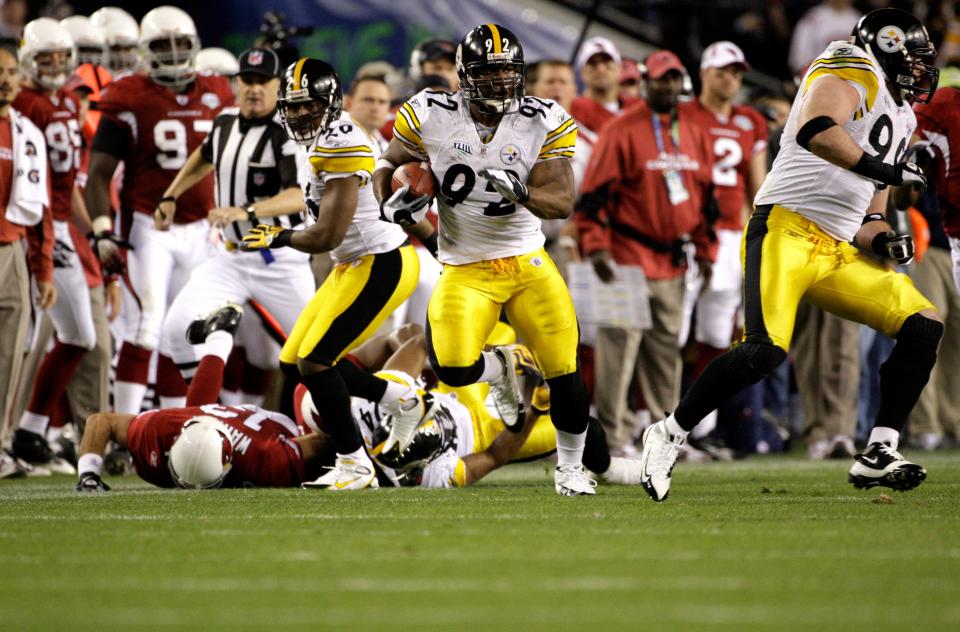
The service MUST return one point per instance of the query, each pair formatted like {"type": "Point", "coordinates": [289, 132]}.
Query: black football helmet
{"type": "Point", "coordinates": [900, 43]}
{"type": "Point", "coordinates": [490, 66]}
{"type": "Point", "coordinates": [311, 97]}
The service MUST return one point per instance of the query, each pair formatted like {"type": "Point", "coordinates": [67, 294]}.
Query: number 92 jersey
{"type": "Point", "coordinates": [476, 222]}
{"type": "Point", "coordinates": [833, 197]}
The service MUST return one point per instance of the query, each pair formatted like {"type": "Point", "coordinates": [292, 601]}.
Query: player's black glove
{"type": "Point", "coordinates": [893, 246]}
{"type": "Point", "coordinates": [901, 174]}
{"type": "Point", "coordinates": [90, 482]}
{"type": "Point", "coordinates": [108, 247]}
{"type": "Point", "coordinates": [507, 185]}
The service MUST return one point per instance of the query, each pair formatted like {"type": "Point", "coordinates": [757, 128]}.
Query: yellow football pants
{"type": "Point", "coordinates": [350, 306]}
{"type": "Point", "coordinates": [465, 307]}
{"type": "Point", "coordinates": [788, 258]}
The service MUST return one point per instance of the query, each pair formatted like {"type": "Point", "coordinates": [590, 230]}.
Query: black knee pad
{"type": "Point", "coordinates": [920, 331]}
{"type": "Point", "coordinates": [459, 375]}
{"type": "Point", "coordinates": [569, 402]}
{"type": "Point", "coordinates": [758, 358]}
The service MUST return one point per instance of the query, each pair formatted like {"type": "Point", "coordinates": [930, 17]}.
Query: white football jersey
{"type": "Point", "coordinates": [836, 199]}
{"type": "Point", "coordinates": [345, 149]}
{"type": "Point", "coordinates": [476, 222]}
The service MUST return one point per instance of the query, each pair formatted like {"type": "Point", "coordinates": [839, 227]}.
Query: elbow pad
{"type": "Point", "coordinates": [813, 127]}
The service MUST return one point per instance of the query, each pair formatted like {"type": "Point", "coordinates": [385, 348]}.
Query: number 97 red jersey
{"type": "Point", "coordinates": [163, 129]}
{"type": "Point", "coordinates": [264, 451]}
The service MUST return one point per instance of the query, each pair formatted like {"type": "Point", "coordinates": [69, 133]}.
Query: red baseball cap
{"type": "Point", "coordinates": [629, 70]}
{"type": "Point", "coordinates": [661, 62]}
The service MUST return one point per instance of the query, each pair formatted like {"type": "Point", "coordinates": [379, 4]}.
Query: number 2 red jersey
{"type": "Point", "coordinates": [164, 128]}
{"type": "Point", "coordinates": [939, 123]}
{"type": "Point", "coordinates": [56, 116]}
{"type": "Point", "coordinates": [734, 140]}
{"type": "Point", "coordinates": [264, 452]}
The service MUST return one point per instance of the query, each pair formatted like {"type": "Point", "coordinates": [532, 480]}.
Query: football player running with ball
{"type": "Point", "coordinates": [375, 271]}
{"type": "Point", "coordinates": [842, 146]}
{"type": "Point", "coordinates": [502, 161]}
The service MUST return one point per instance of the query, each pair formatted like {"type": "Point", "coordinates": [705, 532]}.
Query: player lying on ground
{"type": "Point", "coordinates": [206, 445]}
{"type": "Point", "coordinates": [462, 441]}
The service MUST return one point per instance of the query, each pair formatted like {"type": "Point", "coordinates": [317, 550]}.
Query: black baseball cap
{"type": "Point", "coordinates": [259, 61]}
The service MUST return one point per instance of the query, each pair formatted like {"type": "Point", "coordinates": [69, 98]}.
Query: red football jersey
{"type": "Point", "coordinates": [165, 128]}
{"type": "Point", "coordinates": [264, 452]}
{"type": "Point", "coordinates": [57, 117]}
{"type": "Point", "coordinates": [939, 123]}
{"type": "Point", "coordinates": [734, 140]}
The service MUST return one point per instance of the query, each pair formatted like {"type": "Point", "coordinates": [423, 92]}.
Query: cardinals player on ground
{"type": "Point", "coordinates": [152, 122]}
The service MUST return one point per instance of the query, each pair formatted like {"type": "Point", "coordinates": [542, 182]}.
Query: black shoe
{"type": "Point", "coordinates": [34, 449]}
{"type": "Point", "coordinates": [226, 318]}
{"type": "Point", "coordinates": [882, 465]}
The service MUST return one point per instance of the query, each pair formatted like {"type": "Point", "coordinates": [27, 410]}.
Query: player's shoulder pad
{"type": "Point", "coordinates": [124, 89]}
{"type": "Point", "coordinates": [343, 133]}
{"type": "Point", "coordinates": [558, 127]}
{"type": "Point", "coordinates": [343, 147]}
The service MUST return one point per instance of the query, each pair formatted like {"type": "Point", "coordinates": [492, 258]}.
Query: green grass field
{"type": "Point", "coordinates": [766, 543]}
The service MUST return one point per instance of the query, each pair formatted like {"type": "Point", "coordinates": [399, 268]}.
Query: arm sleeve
{"type": "Point", "coordinates": [602, 172]}
{"type": "Point", "coordinates": [113, 138]}
{"type": "Point", "coordinates": [40, 247]}
{"type": "Point", "coordinates": [407, 127]}
{"type": "Point", "coordinates": [853, 68]}
{"type": "Point", "coordinates": [561, 136]}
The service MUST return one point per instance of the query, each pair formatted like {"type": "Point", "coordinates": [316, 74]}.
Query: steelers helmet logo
{"type": "Point", "coordinates": [890, 39]}
{"type": "Point", "coordinates": [510, 154]}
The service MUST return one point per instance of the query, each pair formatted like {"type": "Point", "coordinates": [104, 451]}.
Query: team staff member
{"type": "Point", "coordinates": [599, 65]}
{"type": "Point", "coordinates": [375, 271]}
{"type": "Point", "coordinates": [641, 203]}
{"type": "Point", "coordinates": [847, 131]}
{"type": "Point", "coordinates": [23, 151]}
{"type": "Point", "coordinates": [507, 168]}
{"type": "Point", "coordinates": [255, 181]}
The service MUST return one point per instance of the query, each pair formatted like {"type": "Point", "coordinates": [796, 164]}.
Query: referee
{"type": "Point", "coordinates": [255, 167]}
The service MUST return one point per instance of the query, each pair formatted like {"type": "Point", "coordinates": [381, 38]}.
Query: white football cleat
{"type": "Point", "coordinates": [623, 471]}
{"type": "Point", "coordinates": [506, 390]}
{"type": "Point", "coordinates": [408, 413]}
{"type": "Point", "coordinates": [572, 480]}
{"type": "Point", "coordinates": [347, 475]}
{"type": "Point", "coordinates": [660, 452]}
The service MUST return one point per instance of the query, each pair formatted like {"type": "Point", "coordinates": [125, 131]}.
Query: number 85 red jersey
{"type": "Point", "coordinates": [161, 128]}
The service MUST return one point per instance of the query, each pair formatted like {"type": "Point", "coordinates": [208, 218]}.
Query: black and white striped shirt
{"type": "Point", "coordinates": [253, 160]}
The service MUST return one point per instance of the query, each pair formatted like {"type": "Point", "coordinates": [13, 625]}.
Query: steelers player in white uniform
{"type": "Point", "coordinates": [462, 441]}
{"type": "Point", "coordinates": [818, 233]}
{"type": "Point", "coordinates": [502, 163]}
{"type": "Point", "coordinates": [375, 269]}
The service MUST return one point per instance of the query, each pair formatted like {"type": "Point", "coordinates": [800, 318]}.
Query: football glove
{"type": "Point", "coordinates": [909, 174]}
{"type": "Point", "coordinates": [399, 210]}
{"type": "Point", "coordinates": [90, 482]}
{"type": "Point", "coordinates": [507, 185]}
{"type": "Point", "coordinates": [893, 246]}
{"type": "Point", "coordinates": [108, 247]}
{"type": "Point", "coordinates": [266, 236]}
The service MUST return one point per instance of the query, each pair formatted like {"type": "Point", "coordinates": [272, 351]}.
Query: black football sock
{"type": "Point", "coordinates": [361, 383]}
{"type": "Point", "coordinates": [569, 403]}
{"type": "Point", "coordinates": [907, 370]}
{"type": "Point", "coordinates": [332, 400]}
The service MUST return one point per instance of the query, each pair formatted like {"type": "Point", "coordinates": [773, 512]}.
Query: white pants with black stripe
{"type": "Point", "coordinates": [72, 315]}
{"type": "Point", "coordinates": [282, 286]}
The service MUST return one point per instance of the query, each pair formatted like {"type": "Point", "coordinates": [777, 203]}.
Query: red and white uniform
{"type": "Point", "coordinates": [734, 141]}
{"type": "Point", "coordinates": [57, 116]}
{"type": "Point", "coordinates": [163, 128]}
{"type": "Point", "coordinates": [264, 451]}
{"type": "Point", "coordinates": [939, 123]}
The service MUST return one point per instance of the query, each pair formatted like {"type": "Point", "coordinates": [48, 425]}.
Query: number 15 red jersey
{"type": "Point", "coordinates": [164, 128]}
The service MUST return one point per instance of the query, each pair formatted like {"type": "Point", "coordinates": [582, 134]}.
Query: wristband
{"type": "Point", "coordinates": [430, 243]}
{"type": "Point", "coordinates": [167, 198]}
{"type": "Point", "coordinates": [873, 217]}
{"type": "Point", "coordinates": [383, 163]}
{"type": "Point", "coordinates": [283, 239]}
{"type": "Point", "coordinates": [566, 241]}
{"type": "Point", "coordinates": [870, 167]}
{"type": "Point", "coordinates": [101, 224]}
{"type": "Point", "coordinates": [251, 215]}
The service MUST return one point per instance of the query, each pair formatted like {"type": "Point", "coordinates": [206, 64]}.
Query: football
{"type": "Point", "coordinates": [418, 176]}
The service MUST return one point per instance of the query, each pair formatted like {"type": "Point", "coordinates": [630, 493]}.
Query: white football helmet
{"type": "Point", "coordinates": [169, 46]}
{"type": "Point", "coordinates": [90, 42]}
{"type": "Point", "coordinates": [219, 61]}
{"type": "Point", "coordinates": [45, 36]}
{"type": "Point", "coordinates": [202, 455]}
{"type": "Point", "coordinates": [122, 34]}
